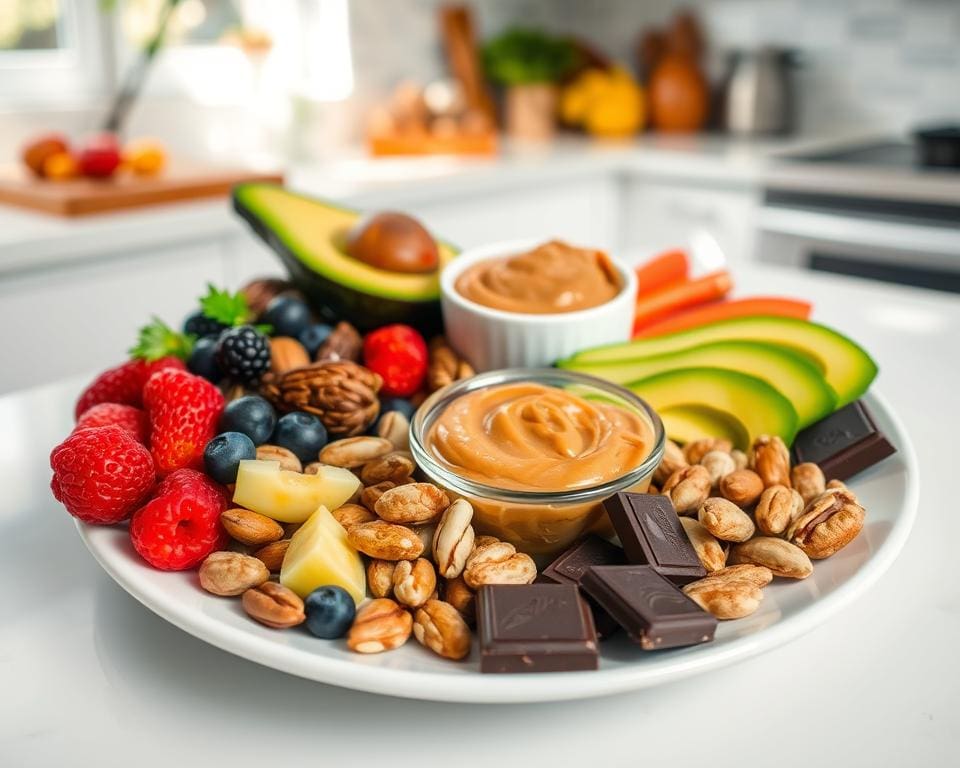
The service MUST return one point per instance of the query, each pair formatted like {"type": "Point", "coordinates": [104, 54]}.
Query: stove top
{"type": "Point", "coordinates": [890, 154]}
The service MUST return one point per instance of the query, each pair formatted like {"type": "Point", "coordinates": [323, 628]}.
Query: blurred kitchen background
{"type": "Point", "coordinates": [821, 134]}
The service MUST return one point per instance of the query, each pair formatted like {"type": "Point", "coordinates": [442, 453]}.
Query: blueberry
{"type": "Point", "coordinates": [313, 336]}
{"type": "Point", "coordinates": [287, 315]}
{"type": "Point", "coordinates": [223, 455]}
{"type": "Point", "coordinates": [302, 433]}
{"type": "Point", "coordinates": [203, 359]}
{"type": "Point", "coordinates": [251, 415]}
{"type": "Point", "coordinates": [330, 612]}
{"type": "Point", "coordinates": [200, 325]}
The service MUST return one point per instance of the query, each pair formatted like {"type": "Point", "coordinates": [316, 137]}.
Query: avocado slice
{"type": "Point", "coordinates": [308, 235]}
{"type": "Point", "coordinates": [687, 423]}
{"type": "Point", "coordinates": [793, 375]}
{"type": "Point", "coordinates": [752, 402]}
{"type": "Point", "coordinates": [847, 368]}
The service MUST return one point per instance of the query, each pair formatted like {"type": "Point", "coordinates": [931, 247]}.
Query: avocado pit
{"type": "Point", "coordinates": [394, 242]}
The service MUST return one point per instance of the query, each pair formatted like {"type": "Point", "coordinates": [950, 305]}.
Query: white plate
{"type": "Point", "coordinates": [888, 491]}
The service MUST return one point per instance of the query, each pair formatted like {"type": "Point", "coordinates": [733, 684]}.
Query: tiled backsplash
{"type": "Point", "coordinates": [866, 64]}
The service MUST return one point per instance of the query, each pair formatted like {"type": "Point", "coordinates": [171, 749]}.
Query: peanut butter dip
{"type": "Point", "coordinates": [532, 437]}
{"type": "Point", "coordinates": [552, 278]}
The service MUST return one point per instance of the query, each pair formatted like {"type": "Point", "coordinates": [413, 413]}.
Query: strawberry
{"type": "Point", "coordinates": [183, 410]}
{"type": "Point", "coordinates": [123, 384]}
{"type": "Point", "coordinates": [180, 525]}
{"type": "Point", "coordinates": [101, 474]}
{"type": "Point", "coordinates": [399, 354]}
{"type": "Point", "coordinates": [134, 420]}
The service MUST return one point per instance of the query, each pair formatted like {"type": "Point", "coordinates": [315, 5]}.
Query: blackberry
{"type": "Point", "coordinates": [243, 353]}
{"type": "Point", "coordinates": [198, 324]}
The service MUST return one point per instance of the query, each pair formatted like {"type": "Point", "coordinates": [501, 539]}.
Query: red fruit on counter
{"type": "Point", "coordinates": [123, 384]}
{"type": "Point", "coordinates": [183, 410]}
{"type": "Point", "coordinates": [100, 156]}
{"type": "Point", "coordinates": [180, 525]}
{"type": "Point", "coordinates": [399, 354]}
{"type": "Point", "coordinates": [101, 474]}
{"type": "Point", "coordinates": [127, 417]}
{"type": "Point", "coordinates": [38, 151]}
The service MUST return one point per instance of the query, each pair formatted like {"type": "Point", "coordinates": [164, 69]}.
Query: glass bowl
{"type": "Point", "coordinates": [540, 523]}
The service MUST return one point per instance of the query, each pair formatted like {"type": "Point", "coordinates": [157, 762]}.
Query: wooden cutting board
{"type": "Point", "coordinates": [79, 197]}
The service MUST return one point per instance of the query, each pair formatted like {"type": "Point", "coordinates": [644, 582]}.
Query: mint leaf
{"type": "Point", "coordinates": [158, 340]}
{"type": "Point", "coordinates": [225, 307]}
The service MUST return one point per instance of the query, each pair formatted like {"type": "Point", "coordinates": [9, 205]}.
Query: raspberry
{"type": "Point", "coordinates": [180, 525]}
{"type": "Point", "coordinates": [183, 410]}
{"type": "Point", "coordinates": [101, 474]}
{"type": "Point", "coordinates": [399, 354]}
{"type": "Point", "coordinates": [127, 417]}
{"type": "Point", "coordinates": [123, 384]}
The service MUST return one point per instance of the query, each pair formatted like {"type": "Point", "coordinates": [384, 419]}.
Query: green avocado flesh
{"type": "Point", "coordinates": [687, 423]}
{"type": "Point", "coordinates": [792, 375]}
{"type": "Point", "coordinates": [847, 368]}
{"type": "Point", "coordinates": [738, 397]}
{"type": "Point", "coordinates": [307, 234]}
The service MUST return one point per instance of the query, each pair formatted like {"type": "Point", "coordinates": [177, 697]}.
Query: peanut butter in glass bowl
{"type": "Point", "coordinates": [536, 451]}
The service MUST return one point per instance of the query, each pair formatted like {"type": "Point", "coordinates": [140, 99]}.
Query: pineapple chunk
{"type": "Point", "coordinates": [319, 555]}
{"type": "Point", "coordinates": [289, 496]}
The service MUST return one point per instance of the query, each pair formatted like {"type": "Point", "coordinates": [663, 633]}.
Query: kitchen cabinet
{"type": "Point", "coordinates": [656, 212]}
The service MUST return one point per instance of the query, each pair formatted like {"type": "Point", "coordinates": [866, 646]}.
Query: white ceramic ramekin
{"type": "Point", "coordinates": [491, 338]}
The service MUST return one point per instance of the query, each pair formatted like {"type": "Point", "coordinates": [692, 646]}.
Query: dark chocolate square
{"type": "Point", "coordinates": [843, 443]}
{"type": "Point", "coordinates": [653, 611]}
{"type": "Point", "coordinates": [649, 530]}
{"type": "Point", "coordinates": [534, 628]}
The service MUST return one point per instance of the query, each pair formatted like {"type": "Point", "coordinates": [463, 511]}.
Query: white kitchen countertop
{"type": "Point", "coordinates": [92, 677]}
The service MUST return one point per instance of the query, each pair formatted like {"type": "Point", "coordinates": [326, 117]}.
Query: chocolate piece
{"type": "Point", "coordinates": [650, 531]}
{"type": "Point", "coordinates": [570, 566]}
{"type": "Point", "coordinates": [843, 443]}
{"type": "Point", "coordinates": [655, 613]}
{"type": "Point", "coordinates": [534, 628]}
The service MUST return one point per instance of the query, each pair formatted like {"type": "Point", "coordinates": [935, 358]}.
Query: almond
{"type": "Point", "coordinates": [441, 628]}
{"type": "Point", "coordinates": [274, 605]}
{"type": "Point", "coordinates": [287, 353]}
{"type": "Point", "coordinates": [385, 541]}
{"type": "Point", "coordinates": [272, 555]}
{"type": "Point", "coordinates": [250, 528]}
{"type": "Point", "coordinates": [351, 514]}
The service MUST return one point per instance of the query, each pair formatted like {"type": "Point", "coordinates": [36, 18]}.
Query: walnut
{"type": "Point", "coordinates": [446, 366]}
{"type": "Point", "coordinates": [342, 394]}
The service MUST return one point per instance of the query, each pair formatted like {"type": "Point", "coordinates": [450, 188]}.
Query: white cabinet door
{"type": "Point", "coordinates": [84, 317]}
{"type": "Point", "coordinates": [660, 215]}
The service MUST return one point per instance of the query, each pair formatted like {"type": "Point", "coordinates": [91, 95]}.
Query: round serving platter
{"type": "Point", "coordinates": [888, 491]}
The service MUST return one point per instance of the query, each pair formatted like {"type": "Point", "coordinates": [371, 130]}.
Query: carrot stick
{"type": "Point", "coordinates": [662, 270]}
{"type": "Point", "coordinates": [667, 300]}
{"type": "Point", "coordinates": [723, 310]}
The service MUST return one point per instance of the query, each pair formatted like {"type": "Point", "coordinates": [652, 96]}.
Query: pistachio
{"type": "Point", "coordinates": [725, 520]}
{"type": "Point", "coordinates": [687, 488]}
{"type": "Point", "coordinates": [778, 507]}
{"type": "Point", "coordinates": [380, 625]}
{"type": "Point", "coordinates": [439, 627]}
{"type": "Point", "coordinates": [781, 557]}
{"type": "Point", "coordinates": [231, 573]}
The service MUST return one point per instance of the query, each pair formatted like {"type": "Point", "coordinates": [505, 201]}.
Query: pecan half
{"type": "Point", "coordinates": [732, 592]}
{"type": "Point", "coordinates": [687, 488]}
{"type": "Point", "coordinates": [380, 625]}
{"type": "Point", "coordinates": [274, 605]}
{"type": "Point", "coordinates": [231, 573]}
{"type": "Point", "coordinates": [827, 525]}
{"type": "Point", "coordinates": [453, 540]}
{"type": "Point", "coordinates": [778, 507]}
{"type": "Point", "coordinates": [781, 557]}
{"type": "Point", "coordinates": [771, 460]}
{"type": "Point", "coordinates": [498, 563]}
{"type": "Point", "coordinates": [414, 581]}
{"type": "Point", "coordinates": [385, 541]}
{"type": "Point", "coordinates": [412, 503]}
{"type": "Point", "coordinates": [445, 365]}
{"type": "Point", "coordinates": [440, 627]}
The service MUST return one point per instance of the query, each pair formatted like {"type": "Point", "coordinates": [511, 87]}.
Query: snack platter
{"type": "Point", "coordinates": [414, 473]}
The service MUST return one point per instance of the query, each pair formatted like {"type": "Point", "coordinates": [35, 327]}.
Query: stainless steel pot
{"type": "Point", "coordinates": [758, 93]}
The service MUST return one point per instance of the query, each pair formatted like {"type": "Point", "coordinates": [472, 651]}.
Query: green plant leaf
{"type": "Point", "coordinates": [520, 56]}
{"type": "Point", "coordinates": [225, 307]}
{"type": "Point", "coordinates": [158, 340]}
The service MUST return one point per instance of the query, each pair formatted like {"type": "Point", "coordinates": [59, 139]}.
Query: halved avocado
{"type": "Point", "coordinates": [794, 376]}
{"type": "Point", "coordinates": [308, 235]}
{"type": "Point", "coordinates": [752, 402]}
{"type": "Point", "coordinates": [687, 423]}
{"type": "Point", "coordinates": [847, 368]}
